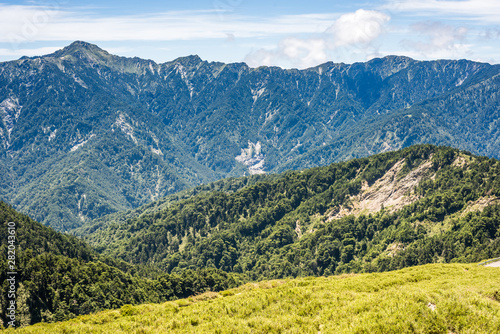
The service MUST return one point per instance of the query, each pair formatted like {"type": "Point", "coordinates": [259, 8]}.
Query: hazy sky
{"type": "Point", "coordinates": [275, 32]}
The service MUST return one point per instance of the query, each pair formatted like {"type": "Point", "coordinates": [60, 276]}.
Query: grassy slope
{"type": "Point", "coordinates": [466, 299]}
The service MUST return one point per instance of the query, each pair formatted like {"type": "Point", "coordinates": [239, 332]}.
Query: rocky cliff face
{"type": "Point", "coordinates": [124, 131]}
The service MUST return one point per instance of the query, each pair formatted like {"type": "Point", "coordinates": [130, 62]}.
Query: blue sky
{"type": "Point", "coordinates": [275, 32]}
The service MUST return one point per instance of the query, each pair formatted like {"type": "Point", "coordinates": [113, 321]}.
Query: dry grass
{"type": "Point", "coordinates": [438, 298]}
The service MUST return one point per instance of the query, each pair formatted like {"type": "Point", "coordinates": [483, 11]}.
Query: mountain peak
{"type": "Point", "coordinates": [189, 61]}
{"type": "Point", "coordinates": [81, 50]}
{"type": "Point", "coordinates": [83, 45]}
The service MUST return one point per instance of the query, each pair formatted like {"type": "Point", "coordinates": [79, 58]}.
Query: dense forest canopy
{"type": "Point", "coordinates": [419, 205]}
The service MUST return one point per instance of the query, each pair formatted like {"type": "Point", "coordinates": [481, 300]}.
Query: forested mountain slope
{"type": "Point", "coordinates": [59, 276]}
{"type": "Point", "coordinates": [229, 185]}
{"type": "Point", "coordinates": [84, 133]}
{"type": "Point", "coordinates": [422, 204]}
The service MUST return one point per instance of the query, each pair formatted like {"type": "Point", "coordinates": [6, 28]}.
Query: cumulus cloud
{"type": "Point", "coordinates": [352, 32]}
{"type": "Point", "coordinates": [439, 41]}
{"type": "Point", "coordinates": [360, 27]}
{"type": "Point", "coordinates": [309, 51]}
{"type": "Point", "coordinates": [298, 52]}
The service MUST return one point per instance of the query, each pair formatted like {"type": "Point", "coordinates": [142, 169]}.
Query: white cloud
{"type": "Point", "coordinates": [360, 27]}
{"type": "Point", "coordinates": [352, 33]}
{"type": "Point", "coordinates": [25, 23]}
{"type": "Point", "coordinates": [490, 34]}
{"type": "Point", "coordinates": [36, 23]}
{"type": "Point", "coordinates": [298, 52]}
{"type": "Point", "coordinates": [310, 51]}
{"type": "Point", "coordinates": [484, 10]}
{"type": "Point", "coordinates": [461, 28]}
{"type": "Point", "coordinates": [28, 52]}
{"type": "Point", "coordinates": [439, 41]}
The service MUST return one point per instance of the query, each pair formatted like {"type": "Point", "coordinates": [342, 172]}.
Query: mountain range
{"type": "Point", "coordinates": [85, 133]}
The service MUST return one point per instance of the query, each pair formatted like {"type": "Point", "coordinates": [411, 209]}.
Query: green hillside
{"type": "Point", "coordinates": [438, 298]}
{"type": "Point", "coordinates": [229, 185]}
{"type": "Point", "coordinates": [423, 204]}
{"type": "Point", "coordinates": [60, 277]}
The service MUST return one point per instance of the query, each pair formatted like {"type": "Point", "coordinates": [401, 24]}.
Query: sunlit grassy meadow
{"type": "Point", "coordinates": [437, 298]}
